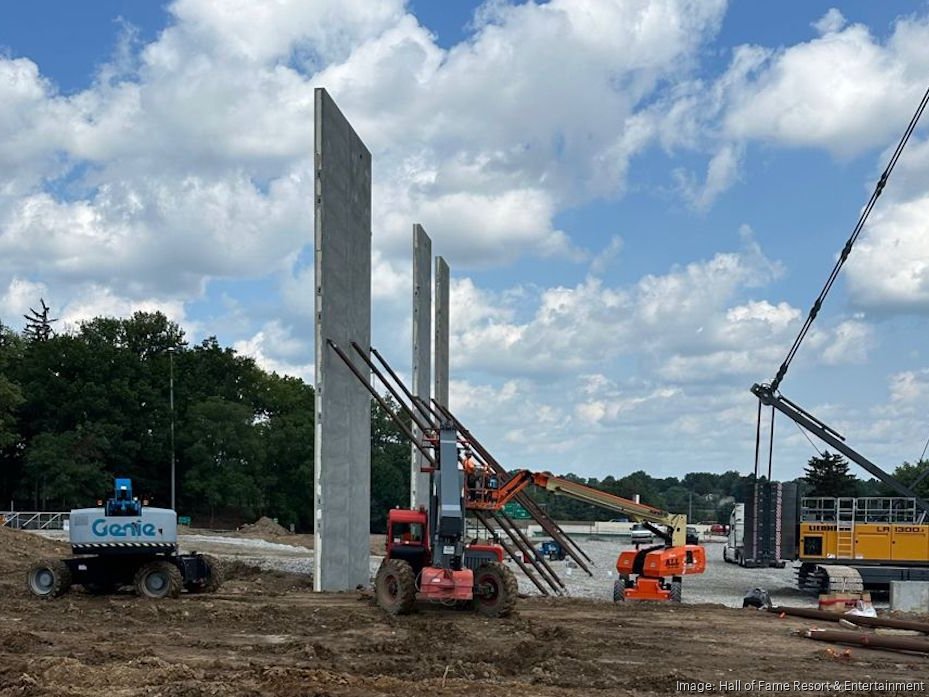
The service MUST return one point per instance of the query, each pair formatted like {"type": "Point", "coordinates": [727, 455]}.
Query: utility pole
{"type": "Point", "coordinates": [171, 383]}
{"type": "Point", "coordinates": [690, 507]}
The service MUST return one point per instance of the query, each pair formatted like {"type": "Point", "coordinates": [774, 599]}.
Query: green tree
{"type": "Point", "coordinates": [224, 458]}
{"type": "Point", "coordinates": [11, 399]}
{"type": "Point", "coordinates": [678, 498]}
{"type": "Point", "coordinates": [390, 465]}
{"type": "Point", "coordinates": [729, 483]}
{"type": "Point", "coordinates": [910, 474]}
{"type": "Point", "coordinates": [66, 470]}
{"type": "Point", "coordinates": [11, 396]}
{"type": "Point", "coordinates": [702, 482]}
{"type": "Point", "coordinates": [642, 484]}
{"type": "Point", "coordinates": [828, 475]}
{"type": "Point", "coordinates": [286, 429]}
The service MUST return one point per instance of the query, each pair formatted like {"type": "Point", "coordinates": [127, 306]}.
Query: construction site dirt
{"type": "Point", "coordinates": [266, 633]}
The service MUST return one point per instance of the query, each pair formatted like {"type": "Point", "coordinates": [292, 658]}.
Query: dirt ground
{"type": "Point", "coordinates": [265, 633]}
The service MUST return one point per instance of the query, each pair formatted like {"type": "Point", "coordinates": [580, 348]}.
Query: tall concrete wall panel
{"type": "Point", "coordinates": [342, 486]}
{"type": "Point", "coordinates": [422, 353]}
{"type": "Point", "coordinates": [441, 331]}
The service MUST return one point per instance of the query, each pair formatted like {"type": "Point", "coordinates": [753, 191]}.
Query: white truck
{"type": "Point", "coordinates": [734, 551]}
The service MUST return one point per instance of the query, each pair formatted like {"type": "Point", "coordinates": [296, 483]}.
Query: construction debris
{"type": "Point", "coordinates": [839, 603]}
{"type": "Point", "coordinates": [871, 641]}
{"type": "Point", "coordinates": [860, 620]}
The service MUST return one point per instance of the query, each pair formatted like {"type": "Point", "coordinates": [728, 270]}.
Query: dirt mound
{"type": "Point", "coordinates": [19, 549]}
{"type": "Point", "coordinates": [245, 577]}
{"type": "Point", "coordinates": [264, 527]}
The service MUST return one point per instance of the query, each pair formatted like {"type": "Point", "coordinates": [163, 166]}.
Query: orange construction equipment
{"type": "Point", "coordinates": [643, 573]}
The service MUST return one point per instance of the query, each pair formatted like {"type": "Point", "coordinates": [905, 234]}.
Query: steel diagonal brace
{"type": "Point", "coordinates": [380, 400]}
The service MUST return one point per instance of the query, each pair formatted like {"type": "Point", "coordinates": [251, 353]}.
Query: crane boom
{"type": "Point", "coordinates": [830, 436]}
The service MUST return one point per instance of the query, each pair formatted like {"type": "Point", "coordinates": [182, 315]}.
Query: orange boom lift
{"type": "Point", "coordinates": [652, 573]}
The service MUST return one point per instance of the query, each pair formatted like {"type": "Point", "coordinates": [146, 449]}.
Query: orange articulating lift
{"type": "Point", "coordinates": [643, 573]}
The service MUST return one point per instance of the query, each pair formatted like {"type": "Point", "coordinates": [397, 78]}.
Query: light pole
{"type": "Point", "coordinates": [171, 383]}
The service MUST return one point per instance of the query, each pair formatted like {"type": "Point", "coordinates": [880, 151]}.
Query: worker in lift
{"type": "Point", "coordinates": [470, 468]}
{"type": "Point", "coordinates": [480, 480]}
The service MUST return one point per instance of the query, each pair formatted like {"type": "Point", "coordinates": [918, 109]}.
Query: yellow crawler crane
{"type": "Point", "coordinates": [843, 544]}
{"type": "Point", "coordinates": [856, 543]}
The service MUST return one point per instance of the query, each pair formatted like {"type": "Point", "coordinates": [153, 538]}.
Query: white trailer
{"type": "Point", "coordinates": [734, 551]}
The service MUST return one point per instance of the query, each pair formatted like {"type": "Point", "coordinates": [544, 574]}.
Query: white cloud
{"type": "Point", "coordinates": [843, 91]}
{"type": "Point", "coordinates": [605, 258]}
{"type": "Point", "coordinates": [722, 171]}
{"type": "Point", "coordinates": [830, 22]}
{"type": "Point", "coordinates": [275, 348]}
{"type": "Point", "coordinates": [852, 341]}
{"type": "Point", "coordinates": [99, 301]}
{"type": "Point", "coordinates": [171, 170]}
{"type": "Point", "coordinates": [889, 266]}
{"type": "Point", "coordinates": [910, 387]}
{"type": "Point", "coordinates": [20, 295]}
{"type": "Point", "coordinates": [573, 328]}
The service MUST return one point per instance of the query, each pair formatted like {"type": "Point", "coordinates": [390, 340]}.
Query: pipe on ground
{"type": "Point", "coordinates": [871, 641]}
{"type": "Point", "coordinates": [885, 622]}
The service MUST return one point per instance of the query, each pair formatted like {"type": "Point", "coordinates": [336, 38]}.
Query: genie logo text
{"type": "Point", "coordinates": [101, 528]}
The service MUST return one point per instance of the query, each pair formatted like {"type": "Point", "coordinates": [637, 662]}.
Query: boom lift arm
{"type": "Point", "coordinates": [670, 527]}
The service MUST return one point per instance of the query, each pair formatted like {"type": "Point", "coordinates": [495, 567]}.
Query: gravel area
{"type": "Point", "coordinates": [722, 583]}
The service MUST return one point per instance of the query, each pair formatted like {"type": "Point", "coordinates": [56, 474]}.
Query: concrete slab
{"type": "Point", "coordinates": [440, 392]}
{"type": "Point", "coordinates": [422, 353]}
{"type": "Point", "coordinates": [343, 314]}
{"type": "Point", "coordinates": [909, 596]}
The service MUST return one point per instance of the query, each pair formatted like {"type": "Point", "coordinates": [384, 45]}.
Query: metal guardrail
{"type": "Point", "coordinates": [34, 520]}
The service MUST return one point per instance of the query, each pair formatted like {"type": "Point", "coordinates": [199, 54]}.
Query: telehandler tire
{"type": "Point", "coordinates": [158, 579]}
{"type": "Point", "coordinates": [395, 587]}
{"type": "Point", "coordinates": [495, 590]}
{"type": "Point", "coordinates": [49, 578]}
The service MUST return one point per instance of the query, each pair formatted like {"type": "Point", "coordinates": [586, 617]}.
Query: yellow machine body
{"type": "Point", "coordinates": [850, 532]}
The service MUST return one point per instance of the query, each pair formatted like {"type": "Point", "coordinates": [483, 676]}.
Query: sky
{"type": "Point", "coordinates": [639, 201]}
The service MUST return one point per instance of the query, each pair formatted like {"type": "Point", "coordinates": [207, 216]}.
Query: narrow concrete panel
{"type": "Point", "coordinates": [422, 353]}
{"type": "Point", "coordinates": [440, 392]}
{"type": "Point", "coordinates": [342, 490]}
{"type": "Point", "coordinates": [909, 596]}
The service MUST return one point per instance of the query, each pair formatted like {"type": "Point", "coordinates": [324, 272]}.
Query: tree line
{"type": "Point", "coordinates": [80, 407]}
{"type": "Point", "coordinates": [709, 497]}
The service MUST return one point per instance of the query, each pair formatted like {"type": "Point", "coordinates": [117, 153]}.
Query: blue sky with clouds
{"type": "Point", "coordinates": [638, 200]}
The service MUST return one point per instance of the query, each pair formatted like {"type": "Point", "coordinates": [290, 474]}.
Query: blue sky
{"type": "Point", "coordinates": [639, 201]}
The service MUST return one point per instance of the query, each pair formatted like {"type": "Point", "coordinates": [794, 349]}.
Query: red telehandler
{"type": "Point", "coordinates": [427, 557]}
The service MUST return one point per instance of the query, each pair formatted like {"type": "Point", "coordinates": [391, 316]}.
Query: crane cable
{"type": "Point", "coordinates": [878, 189]}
